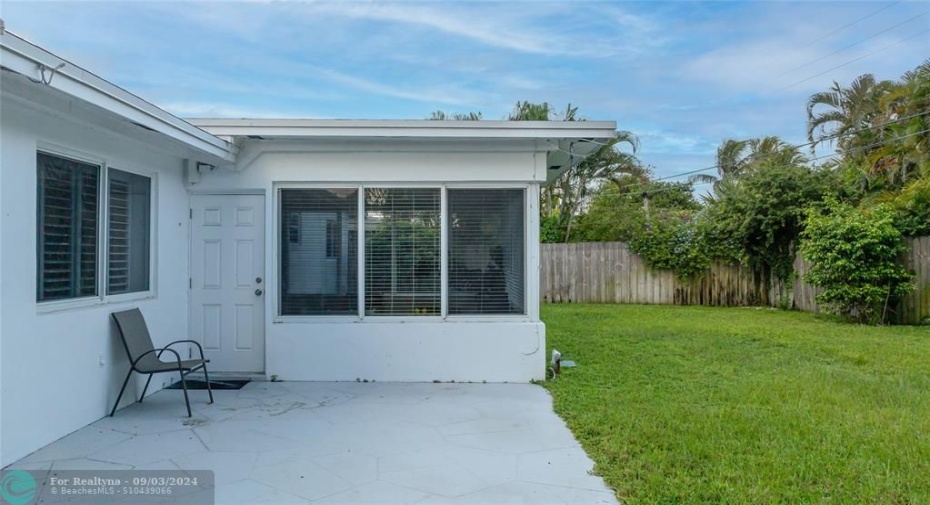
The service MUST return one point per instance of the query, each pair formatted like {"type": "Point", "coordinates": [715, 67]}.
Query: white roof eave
{"type": "Point", "coordinates": [23, 57]}
{"type": "Point", "coordinates": [416, 128]}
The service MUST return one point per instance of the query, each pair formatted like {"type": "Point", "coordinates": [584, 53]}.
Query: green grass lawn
{"type": "Point", "coordinates": [744, 405]}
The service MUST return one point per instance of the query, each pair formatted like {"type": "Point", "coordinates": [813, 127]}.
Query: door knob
{"type": "Point", "coordinates": [258, 280]}
{"type": "Point", "coordinates": [258, 292]}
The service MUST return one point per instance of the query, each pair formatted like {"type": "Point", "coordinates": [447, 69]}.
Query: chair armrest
{"type": "Point", "coordinates": [199, 347]}
{"type": "Point", "coordinates": [158, 356]}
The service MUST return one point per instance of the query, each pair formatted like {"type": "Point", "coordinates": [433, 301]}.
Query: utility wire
{"type": "Point", "coordinates": [863, 18]}
{"type": "Point", "coordinates": [851, 61]}
{"type": "Point", "coordinates": [908, 20]}
{"type": "Point", "coordinates": [751, 157]}
{"type": "Point", "coordinates": [850, 151]}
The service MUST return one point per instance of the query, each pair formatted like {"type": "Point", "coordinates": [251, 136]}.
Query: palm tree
{"type": "Point", "coordinates": [608, 163]}
{"type": "Point", "coordinates": [440, 115]}
{"type": "Point", "coordinates": [529, 111]}
{"type": "Point", "coordinates": [738, 157]}
{"type": "Point", "coordinates": [904, 152]}
{"type": "Point", "coordinates": [845, 114]}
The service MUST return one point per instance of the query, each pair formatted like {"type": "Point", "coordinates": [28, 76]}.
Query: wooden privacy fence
{"type": "Point", "coordinates": [608, 272]}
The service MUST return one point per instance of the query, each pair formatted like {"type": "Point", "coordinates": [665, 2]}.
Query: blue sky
{"type": "Point", "coordinates": [682, 75]}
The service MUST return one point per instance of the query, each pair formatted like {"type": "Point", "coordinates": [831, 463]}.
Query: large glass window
{"type": "Point", "coordinates": [129, 207]}
{"type": "Point", "coordinates": [319, 252]}
{"type": "Point", "coordinates": [67, 228]}
{"type": "Point", "coordinates": [69, 219]}
{"type": "Point", "coordinates": [486, 251]}
{"type": "Point", "coordinates": [402, 251]}
{"type": "Point", "coordinates": [403, 247]}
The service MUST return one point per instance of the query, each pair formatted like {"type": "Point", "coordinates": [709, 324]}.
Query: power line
{"type": "Point", "coordinates": [908, 20]}
{"type": "Point", "coordinates": [797, 146]}
{"type": "Point", "coordinates": [853, 150]}
{"type": "Point", "coordinates": [851, 61]}
{"type": "Point", "coordinates": [863, 18]}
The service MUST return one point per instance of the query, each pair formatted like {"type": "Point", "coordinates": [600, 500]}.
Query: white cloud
{"type": "Point", "coordinates": [442, 95]}
{"type": "Point", "coordinates": [484, 32]}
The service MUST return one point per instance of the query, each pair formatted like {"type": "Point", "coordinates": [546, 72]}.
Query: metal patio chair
{"type": "Point", "coordinates": [144, 358]}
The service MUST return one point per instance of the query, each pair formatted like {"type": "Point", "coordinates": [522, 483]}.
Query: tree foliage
{"type": "Point", "coordinates": [762, 192]}
{"type": "Point", "coordinates": [762, 214]}
{"type": "Point", "coordinates": [854, 255]}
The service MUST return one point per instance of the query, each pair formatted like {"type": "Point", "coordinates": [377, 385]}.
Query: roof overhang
{"type": "Point", "coordinates": [566, 143]}
{"type": "Point", "coordinates": [45, 81]}
{"type": "Point", "coordinates": [40, 76]}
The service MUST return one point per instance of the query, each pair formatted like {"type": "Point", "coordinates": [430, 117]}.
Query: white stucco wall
{"type": "Point", "coordinates": [493, 349]}
{"type": "Point", "coordinates": [62, 370]}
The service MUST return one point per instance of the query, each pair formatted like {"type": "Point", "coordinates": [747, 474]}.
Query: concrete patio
{"type": "Point", "coordinates": [309, 442]}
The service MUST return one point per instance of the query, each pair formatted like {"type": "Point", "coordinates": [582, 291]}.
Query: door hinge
{"type": "Point", "coordinates": [191, 215]}
{"type": "Point", "coordinates": [190, 283]}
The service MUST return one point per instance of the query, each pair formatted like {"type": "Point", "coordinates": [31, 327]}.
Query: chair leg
{"type": "Point", "coordinates": [206, 377]}
{"type": "Point", "coordinates": [187, 400]}
{"type": "Point", "coordinates": [122, 389]}
{"type": "Point", "coordinates": [146, 388]}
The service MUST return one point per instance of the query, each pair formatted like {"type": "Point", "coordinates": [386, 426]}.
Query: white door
{"type": "Point", "coordinates": [228, 280]}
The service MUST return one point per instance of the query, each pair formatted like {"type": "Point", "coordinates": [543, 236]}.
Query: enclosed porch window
{"type": "Point", "coordinates": [405, 233]}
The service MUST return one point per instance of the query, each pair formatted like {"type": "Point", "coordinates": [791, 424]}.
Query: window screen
{"type": "Point", "coordinates": [129, 213]}
{"type": "Point", "coordinates": [402, 251]}
{"type": "Point", "coordinates": [319, 252]}
{"type": "Point", "coordinates": [486, 251]}
{"type": "Point", "coordinates": [67, 228]}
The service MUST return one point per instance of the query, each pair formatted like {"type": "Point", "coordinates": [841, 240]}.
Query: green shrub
{"type": "Point", "coordinates": [854, 257]}
{"type": "Point", "coordinates": [669, 241]}
{"type": "Point", "coordinates": [551, 230]}
{"type": "Point", "coordinates": [913, 206]}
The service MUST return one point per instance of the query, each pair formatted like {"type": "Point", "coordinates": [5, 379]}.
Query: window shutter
{"type": "Point", "coordinates": [67, 228]}
{"type": "Point", "coordinates": [88, 231]}
{"type": "Point", "coordinates": [487, 273]}
{"type": "Point", "coordinates": [319, 252]}
{"type": "Point", "coordinates": [402, 251]}
{"type": "Point", "coordinates": [118, 267]}
{"type": "Point", "coordinates": [129, 209]}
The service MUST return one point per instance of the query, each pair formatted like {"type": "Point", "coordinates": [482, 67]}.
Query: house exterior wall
{"type": "Point", "coordinates": [62, 369]}
{"type": "Point", "coordinates": [461, 348]}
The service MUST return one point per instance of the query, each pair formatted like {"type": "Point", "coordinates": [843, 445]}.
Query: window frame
{"type": "Point", "coordinates": [278, 220]}
{"type": "Point", "coordinates": [103, 235]}
{"type": "Point", "coordinates": [526, 257]}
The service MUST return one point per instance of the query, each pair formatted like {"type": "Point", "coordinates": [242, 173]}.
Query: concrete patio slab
{"type": "Point", "coordinates": [311, 442]}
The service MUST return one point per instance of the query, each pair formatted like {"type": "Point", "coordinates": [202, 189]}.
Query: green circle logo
{"type": "Point", "coordinates": [17, 487]}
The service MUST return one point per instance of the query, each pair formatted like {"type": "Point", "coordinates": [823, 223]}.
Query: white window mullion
{"type": "Point", "coordinates": [532, 252]}
{"type": "Point", "coordinates": [444, 253]}
{"type": "Point", "coordinates": [103, 231]}
{"type": "Point", "coordinates": [361, 252]}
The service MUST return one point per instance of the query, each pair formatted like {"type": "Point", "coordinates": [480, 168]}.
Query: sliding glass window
{"type": "Point", "coordinates": [129, 211]}
{"type": "Point", "coordinates": [67, 222]}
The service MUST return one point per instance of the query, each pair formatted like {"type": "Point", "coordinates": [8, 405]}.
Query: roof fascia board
{"type": "Point", "coordinates": [250, 150]}
{"type": "Point", "coordinates": [25, 58]}
{"type": "Point", "coordinates": [297, 128]}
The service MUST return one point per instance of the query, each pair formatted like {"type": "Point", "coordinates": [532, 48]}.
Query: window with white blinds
{"type": "Point", "coordinates": [403, 240]}
{"type": "Point", "coordinates": [319, 252]}
{"type": "Point", "coordinates": [67, 203]}
{"type": "Point", "coordinates": [486, 251]}
{"type": "Point", "coordinates": [402, 251]}
{"type": "Point", "coordinates": [128, 232]}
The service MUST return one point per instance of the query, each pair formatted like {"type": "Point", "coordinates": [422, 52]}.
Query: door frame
{"type": "Point", "coordinates": [190, 260]}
